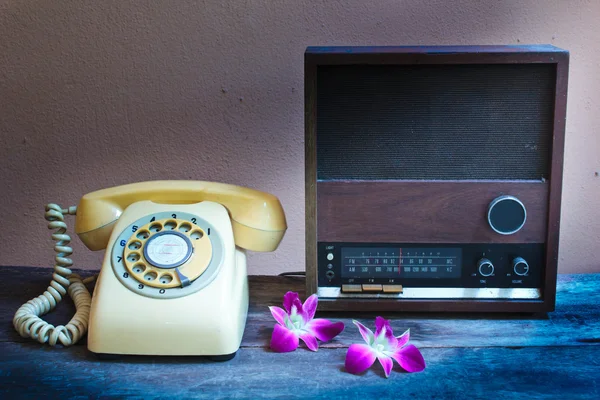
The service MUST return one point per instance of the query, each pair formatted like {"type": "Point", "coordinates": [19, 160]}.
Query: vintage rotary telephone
{"type": "Point", "coordinates": [173, 280]}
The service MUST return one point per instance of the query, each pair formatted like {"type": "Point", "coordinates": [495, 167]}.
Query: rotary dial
{"type": "Point", "coordinates": [167, 253]}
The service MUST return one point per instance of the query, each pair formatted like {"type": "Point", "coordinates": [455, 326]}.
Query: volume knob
{"type": "Point", "coordinates": [520, 266]}
{"type": "Point", "coordinates": [485, 267]}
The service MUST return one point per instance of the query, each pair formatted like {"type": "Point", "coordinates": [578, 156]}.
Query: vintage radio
{"type": "Point", "coordinates": [433, 177]}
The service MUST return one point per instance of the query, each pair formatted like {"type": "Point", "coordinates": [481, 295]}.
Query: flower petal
{"type": "Point", "coordinates": [366, 333]}
{"type": "Point", "coordinates": [310, 340]}
{"type": "Point", "coordinates": [387, 363]}
{"type": "Point", "coordinates": [279, 314]}
{"type": "Point", "coordinates": [324, 329]}
{"type": "Point", "coordinates": [384, 334]}
{"type": "Point", "coordinates": [310, 307]}
{"type": "Point", "coordinates": [403, 339]}
{"type": "Point", "coordinates": [410, 358]}
{"type": "Point", "coordinates": [358, 358]}
{"type": "Point", "coordinates": [380, 323]}
{"type": "Point", "coordinates": [283, 340]}
{"type": "Point", "coordinates": [291, 300]}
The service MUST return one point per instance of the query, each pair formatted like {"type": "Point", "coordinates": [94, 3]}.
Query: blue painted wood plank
{"type": "Point", "coordinates": [451, 373]}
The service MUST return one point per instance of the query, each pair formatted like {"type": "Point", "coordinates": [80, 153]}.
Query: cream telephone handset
{"type": "Point", "coordinates": [173, 280]}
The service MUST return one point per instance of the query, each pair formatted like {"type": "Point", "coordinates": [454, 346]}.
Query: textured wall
{"type": "Point", "coordinates": [95, 94]}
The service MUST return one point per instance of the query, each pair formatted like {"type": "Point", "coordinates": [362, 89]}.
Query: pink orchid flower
{"type": "Point", "coordinates": [384, 346]}
{"type": "Point", "coordinates": [297, 322]}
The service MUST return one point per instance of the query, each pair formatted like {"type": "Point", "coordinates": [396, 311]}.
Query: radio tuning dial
{"type": "Point", "coordinates": [506, 215]}
{"type": "Point", "coordinates": [520, 266]}
{"type": "Point", "coordinates": [485, 267]}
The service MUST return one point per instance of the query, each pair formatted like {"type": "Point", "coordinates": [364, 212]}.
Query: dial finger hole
{"type": "Point", "coordinates": [185, 227]}
{"type": "Point", "coordinates": [150, 276]}
{"type": "Point", "coordinates": [135, 245]}
{"type": "Point", "coordinates": [170, 225]}
{"type": "Point", "coordinates": [143, 235]}
{"type": "Point", "coordinates": [166, 279]}
{"type": "Point", "coordinates": [196, 235]}
{"type": "Point", "coordinates": [155, 228]}
{"type": "Point", "coordinates": [133, 257]}
{"type": "Point", "coordinates": [139, 268]}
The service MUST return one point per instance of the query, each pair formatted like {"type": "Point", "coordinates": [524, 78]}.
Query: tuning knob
{"type": "Point", "coordinates": [485, 267]}
{"type": "Point", "coordinates": [520, 266]}
{"type": "Point", "coordinates": [506, 215]}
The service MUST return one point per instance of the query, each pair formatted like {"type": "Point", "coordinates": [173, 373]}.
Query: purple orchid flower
{"type": "Point", "coordinates": [297, 322]}
{"type": "Point", "coordinates": [384, 346]}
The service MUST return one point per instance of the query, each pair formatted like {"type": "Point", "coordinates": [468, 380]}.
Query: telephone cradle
{"type": "Point", "coordinates": [173, 280]}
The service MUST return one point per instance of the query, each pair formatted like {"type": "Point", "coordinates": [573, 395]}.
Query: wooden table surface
{"type": "Point", "coordinates": [555, 355]}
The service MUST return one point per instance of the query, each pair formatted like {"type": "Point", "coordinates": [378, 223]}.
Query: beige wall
{"type": "Point", "coordinates": [94, 95]}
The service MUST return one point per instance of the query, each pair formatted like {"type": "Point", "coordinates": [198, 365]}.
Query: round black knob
{"type": "Point", "coordinates": [520, 266]}
{"type": "Point", "coordinates": [485, 267]}
{"type": "Point", "coordinates": [506, 215]}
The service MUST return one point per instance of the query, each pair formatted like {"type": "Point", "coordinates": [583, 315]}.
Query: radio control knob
{"type": "Point", "coordinates": [506, 215]}
{"type": "Point", "coordinates": [520, 266]}
{"type": "Point", "coordinates": [485, 267]}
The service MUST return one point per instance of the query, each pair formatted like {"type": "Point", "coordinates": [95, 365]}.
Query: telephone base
{"type": "Point", "coordinates": [206, 322]}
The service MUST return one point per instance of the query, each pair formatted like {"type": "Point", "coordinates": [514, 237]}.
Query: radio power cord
{"type": "Point", "coordinates": [27, 319]}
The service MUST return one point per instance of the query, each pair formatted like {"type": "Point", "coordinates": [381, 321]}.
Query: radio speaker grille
{"type": "Point", "coordinates": [441, 122]}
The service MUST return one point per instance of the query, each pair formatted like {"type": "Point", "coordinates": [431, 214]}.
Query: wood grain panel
{"type": "Point", "coordinates": [556, 174]}
{"type": "Point", "coordinates": [424, 211]}
{"type": "Point", "coordinates": [257, 373]}
{"type": "Point", "coordinates": [380, 55]}
{"type": "Point", "coordinates": [310, 183]}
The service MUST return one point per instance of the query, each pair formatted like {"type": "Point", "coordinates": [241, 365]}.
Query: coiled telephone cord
{"type": "Point", "coordinates": [27, 319]}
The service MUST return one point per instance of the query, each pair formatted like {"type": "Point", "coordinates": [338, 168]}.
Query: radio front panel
{"type": "Point", "coordinates": [367, 270]}
{"type": "Point", "coordinates": [434, 177]}
{"type": "Point", "coordinates": [425, 211]}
